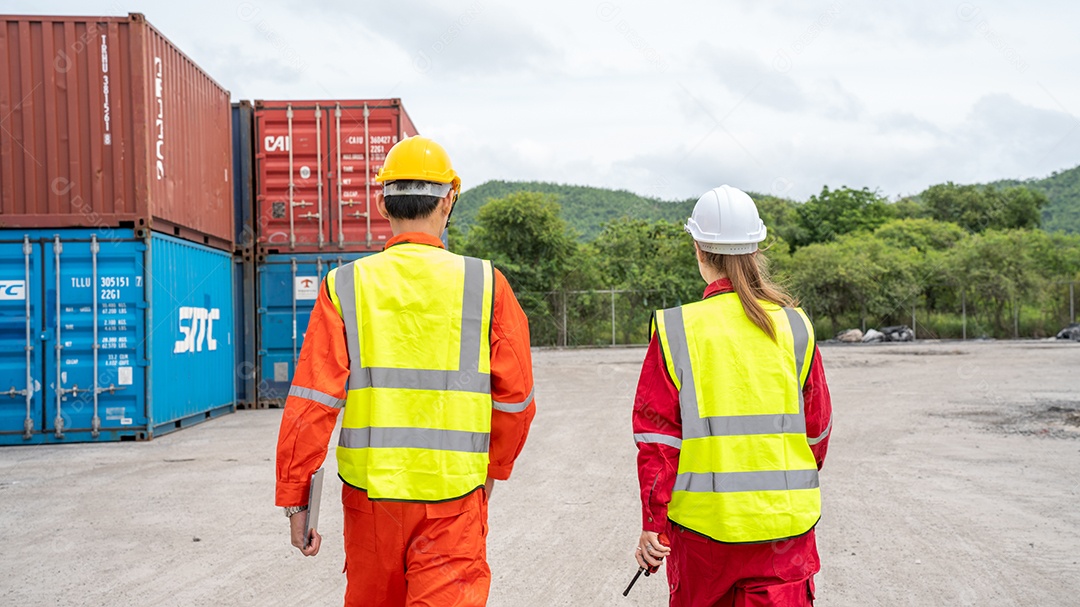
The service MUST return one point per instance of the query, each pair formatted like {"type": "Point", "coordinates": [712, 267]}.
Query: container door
{"type": "Point", "coordinates": [20, 347]}
{"type": "Point", "coordinates": [360, 137]}
{"type": "Point", "coordinates": [94, 328]}
{"type": "Point", "coordinates": [288, 287]}
{"type": "Point", "coordinates": [292, 196]}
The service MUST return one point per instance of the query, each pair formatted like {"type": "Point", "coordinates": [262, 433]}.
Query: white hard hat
{"type": "Point", "coordinates": [726, 221]}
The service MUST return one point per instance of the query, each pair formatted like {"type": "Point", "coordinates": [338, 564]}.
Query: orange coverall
{"type": "Point", "coordinates": [407, 553]}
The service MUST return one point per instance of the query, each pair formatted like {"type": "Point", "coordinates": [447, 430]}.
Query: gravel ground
{"type": "Point", "coordinates": [953, 478]}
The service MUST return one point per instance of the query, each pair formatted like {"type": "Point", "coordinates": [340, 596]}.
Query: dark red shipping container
{"type": "Point", "coordinates": [316, 163]}
{"type": "Point", "coordinates": [103, 123]}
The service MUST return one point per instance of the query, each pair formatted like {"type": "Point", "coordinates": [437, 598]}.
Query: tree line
{"type": "Point", "coordinates": [853, 258]}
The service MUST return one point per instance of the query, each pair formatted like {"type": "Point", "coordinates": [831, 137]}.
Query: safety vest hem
{"type": "Point", "coordinates": [710, 538]}
{"type": "Point", "coordinates": [386, 499]}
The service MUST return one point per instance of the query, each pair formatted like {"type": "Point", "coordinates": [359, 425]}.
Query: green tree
{"type": "Point", "coordinates": [999, 268]}
{"type": "Point", "coordinates": [648, 256]}
{"type": "Point", "coordinates": [979, 208]}
{"type": "Point", "coordinates": [923, 235]}
{"type": "Point", "coordinates": [525, 236]}
{"type": "Point", "coordinates": [858, 276]}
{"type": "Point", "coordinates": [835, 212]}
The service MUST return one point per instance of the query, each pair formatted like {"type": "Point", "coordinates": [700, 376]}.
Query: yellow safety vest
{"type": "Point", "coordinates": [746, 472]}
{"type": "Point", "coordinates": [417, 421]}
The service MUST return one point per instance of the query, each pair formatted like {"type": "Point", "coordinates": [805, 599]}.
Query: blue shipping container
{"type": "Point", "coordinates": [105, 336]}
{"type": "Point", "coordinates": [288, 286]}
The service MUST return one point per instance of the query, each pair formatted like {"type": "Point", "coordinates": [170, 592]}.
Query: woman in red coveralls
{"type": "Point", "coordinates": [732, 419]}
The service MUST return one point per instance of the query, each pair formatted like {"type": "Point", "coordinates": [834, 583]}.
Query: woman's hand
{"type": "Point", "coordinates": [650, 552]}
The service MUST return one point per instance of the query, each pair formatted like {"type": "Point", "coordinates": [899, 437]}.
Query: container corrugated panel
{"type": "Point", "coordinates": [288, 287]}
{"type": "Point", "coordinates": [243, 159]}
{"type": "Point", "coordinates": [243, 130]}
{"type": "Point", "coordinates": [316, 163]}
{"type": "Point", "coordinates": [106, 123]}
{"type": "Point", "coordinates": [128, 339]}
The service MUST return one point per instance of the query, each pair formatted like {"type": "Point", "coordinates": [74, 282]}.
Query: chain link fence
{"type": "Point", "coordinates": [617, 317]}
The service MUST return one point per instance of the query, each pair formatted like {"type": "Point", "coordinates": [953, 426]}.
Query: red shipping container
{"type": "Point", "coordinates": [316, 163]}
{"type": "Point", "coordinates": [105, 123]}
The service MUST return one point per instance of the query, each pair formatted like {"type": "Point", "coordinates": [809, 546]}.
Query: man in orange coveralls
{"type": "Point", "coordinates": [427, 353]}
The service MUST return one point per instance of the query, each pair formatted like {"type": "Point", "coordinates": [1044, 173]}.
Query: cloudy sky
{"type": "Point", "coordinates": [671, 99]}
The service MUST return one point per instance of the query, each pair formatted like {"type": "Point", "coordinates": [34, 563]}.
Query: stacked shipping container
{"type": "Point", "coordinates": [151, 235]}
{"type": "Point", "coordinates": [313, 208]}
{"type": "Point", "coordinates": [116, 229]}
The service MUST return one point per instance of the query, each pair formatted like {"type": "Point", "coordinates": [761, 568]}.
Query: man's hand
{"type": "Point", "coordinates": [489, 486]}
{"type": "Point", "coordinates": [650, 552]}
{"type": "Point", "coordinates": [298, 524]}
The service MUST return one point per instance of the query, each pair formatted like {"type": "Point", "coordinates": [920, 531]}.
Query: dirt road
{"type": "Point", "coordinates": [953, 479]}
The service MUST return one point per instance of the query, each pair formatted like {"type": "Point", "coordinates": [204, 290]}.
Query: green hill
{"type": "Point", "coordinates": [587, 209]}
{"type": "Point", "coordinates": [1063, 190]}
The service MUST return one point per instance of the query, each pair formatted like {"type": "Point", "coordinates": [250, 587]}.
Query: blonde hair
{"type": "Point", "coordinates": [749, 275]}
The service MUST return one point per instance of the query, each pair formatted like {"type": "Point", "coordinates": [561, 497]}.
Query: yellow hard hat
{"type": "Point", "coordinates": [418, 159]}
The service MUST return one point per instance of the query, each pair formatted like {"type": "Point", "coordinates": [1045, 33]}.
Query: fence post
{"type": "Point", "coordinates": [963, 313]}
{"type": "Point", "coordinates": [565, 328]}
{"type": "Point", "coordinates": [914, 331]}
{"type": "Point", "coordinates": [613, 316]}
{"type": "Point", "coordinates": [1072, 302]}
{"type": "Point", "coordinates": [1016, 320]}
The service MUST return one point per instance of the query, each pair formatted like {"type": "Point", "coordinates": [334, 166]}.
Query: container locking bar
{"type": "Point", "coordinates": [318, 156]}
{"type": "Point", "coordinates": [59, 421]}
{"type": "Point", "coordinates": [293, 290]}
{"type": "Point", "coordinates": [367, 172]}
{"type": "Point", "coordinates": [28, 392]}
{"type": "Point", "coordinates": [289, 144]}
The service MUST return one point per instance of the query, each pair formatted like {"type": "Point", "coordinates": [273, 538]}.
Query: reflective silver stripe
{"type": "Point", "coordinates": [824, 435]}
{"type": "Point", "coordinates": [663, 439]}
{"type": "Point", "coordinates": [314, 395]}
{"type": "Point", "coordinates": [732, 482]}
{"type": "Point", "coordinates": [514, 407]}
{"type": "Point", "coordinates": [745, 425]}
{"type": "Point", "coordinates": [420, 379]}
{"type": "Point", "coordinates": [802, 339]}
{"type": "Point", "coordinates": [472, 315]}
{"type": "Point", "coordinates": [680, 359]}
{"type": "Point", "coordinates": [414, 438]}
{"type": "Point", "coordinates": [345, 287]}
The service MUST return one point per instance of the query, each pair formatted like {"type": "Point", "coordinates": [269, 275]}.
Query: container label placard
{"type": "Point", "coordinates": [12, 290]}
{"type": "Point", "coordinates": [123, 376]}
{"type": "Point", "coordinates": [281, 371]}
{"type": "Point", "coordinates": [306, 287]}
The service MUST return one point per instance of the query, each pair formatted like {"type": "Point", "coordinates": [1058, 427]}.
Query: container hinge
{"type": "Point", "coordinates": [28, 429]}
{"type": "Point", "coordinates": [26, 248]}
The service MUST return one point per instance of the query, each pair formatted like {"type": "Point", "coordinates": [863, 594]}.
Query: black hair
{"type": "Point", "coordinates": [410, 206]}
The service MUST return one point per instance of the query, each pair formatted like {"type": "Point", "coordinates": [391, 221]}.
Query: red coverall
{"type": "Point", "coordinates": [701, 571]}
{"type": "Point", "coordinates": [407, 553]}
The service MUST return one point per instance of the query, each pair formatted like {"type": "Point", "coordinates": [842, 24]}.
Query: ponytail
{"type": "Point", "coordinates": [749, 275]}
